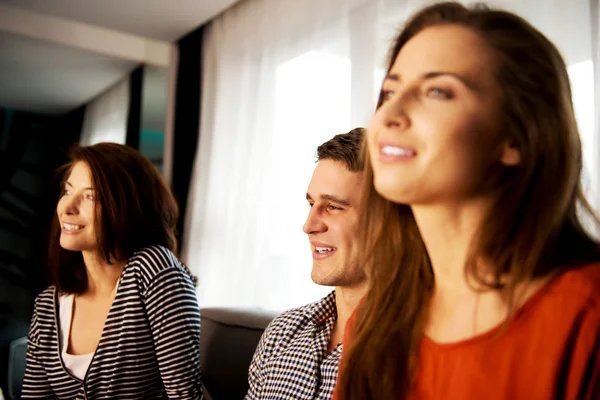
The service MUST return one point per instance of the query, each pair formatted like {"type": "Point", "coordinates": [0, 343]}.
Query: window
{"type": "Point", "coordinates": [312, 104]}
{"type": "Point", "coordinates": [581, 76]}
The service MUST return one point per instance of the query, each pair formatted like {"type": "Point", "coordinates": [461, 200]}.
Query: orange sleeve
{"type": "Point", "coordinates": [583, 378]}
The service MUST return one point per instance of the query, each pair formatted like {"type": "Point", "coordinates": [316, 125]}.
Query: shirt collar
{"type": "Point", "coordinates": [322, 310]}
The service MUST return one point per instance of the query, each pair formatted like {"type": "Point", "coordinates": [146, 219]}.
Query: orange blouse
{"type": "Point", "coordinates": [549, 350]}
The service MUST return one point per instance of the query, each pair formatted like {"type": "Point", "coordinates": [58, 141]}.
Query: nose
{"type": "Point", "coordinates": [69, 205]}
{"type": "Point", "coordinates": [394, 112]}
{"type": "Point", "coordinates": [314, 222]}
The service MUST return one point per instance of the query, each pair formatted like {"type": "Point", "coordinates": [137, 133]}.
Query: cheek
{"type": "Point", "coordinates": [88, 210]}
{"type": "Point", "coordinates": [59, 206]}
{"type": "Point", "coordinates": [372, 140]}
{"type": "Point", "coordinates": [462, 133]}
{"type": "Point", "coordinates": [349, 229]}
{"type": "Point", "coordinates": [375, 121]}
{"type": "Point", "coordinates": [477, 141]}
{"type": "Point", "coordinates": [467, 155]}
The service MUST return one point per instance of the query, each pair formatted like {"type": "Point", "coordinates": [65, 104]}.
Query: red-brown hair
{"type": "Point", "coordinates": [533, 230]}
{"type": "Point", "coordinates": [134, 208]}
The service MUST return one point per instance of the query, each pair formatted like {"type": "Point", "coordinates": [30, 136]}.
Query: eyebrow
{"type": "Point", "coordinates": [434, 74]}
{"type": "Point", "coordinates": [87, 188]}
{"type": "Point", "coordinates": [333, 198]}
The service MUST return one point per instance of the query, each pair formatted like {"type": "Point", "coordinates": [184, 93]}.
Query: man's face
{"type": "Point", "coordinates": [332, 224]}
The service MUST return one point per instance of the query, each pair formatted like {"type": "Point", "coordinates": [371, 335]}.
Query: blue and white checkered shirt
{"type": "Point", "coordinates": [291, 360]}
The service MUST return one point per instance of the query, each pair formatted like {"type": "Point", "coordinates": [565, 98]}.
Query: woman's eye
{"type": "Point", "coordinates": [386, 94]}
{"type": "Point", "coordinates": [439, 93]}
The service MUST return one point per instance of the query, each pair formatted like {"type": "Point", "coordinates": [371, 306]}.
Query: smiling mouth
{"type": "Point", "coordinates": [324, 250]}
{"type": "Point", "coordinates": [72, 227]}
{"type": "Point", "coordinates": [396, 151]}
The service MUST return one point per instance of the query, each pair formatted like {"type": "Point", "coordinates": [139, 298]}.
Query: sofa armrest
{"type": "Point", "coordinates": [227, 343]}
{"type": "Point", "coordinates": [17, 356]}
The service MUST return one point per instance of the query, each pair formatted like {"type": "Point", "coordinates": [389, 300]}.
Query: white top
{"type": "Point", "coordinates": [77, 365]}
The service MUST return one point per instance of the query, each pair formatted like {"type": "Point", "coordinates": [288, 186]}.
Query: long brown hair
{"type": "Point", "coordinates": [534, 228]}
{"type": "Point", "coordinates": [134, 209]}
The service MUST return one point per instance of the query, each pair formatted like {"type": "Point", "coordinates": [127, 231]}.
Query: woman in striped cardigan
{"type": "Point", "coordinates": [121, 318]}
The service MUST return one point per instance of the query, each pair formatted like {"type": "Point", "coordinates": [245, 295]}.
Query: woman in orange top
{"type": "Point", "coordinates": [485, 284]}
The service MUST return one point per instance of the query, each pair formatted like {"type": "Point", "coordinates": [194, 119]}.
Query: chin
{"type": "Point", "coordinates": [322, 278]}
{"type": "Point", "coordinates": [70, 247]}
{"type": "Point", "coordinates": [392, 190]}
{"type": "Point", "coordinates": [329, 282]}
{"type": "Point", "coordinates": [73, 245]}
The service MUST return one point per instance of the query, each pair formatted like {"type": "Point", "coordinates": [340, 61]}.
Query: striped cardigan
{"type": "Point", "coordinates": [150, 345]}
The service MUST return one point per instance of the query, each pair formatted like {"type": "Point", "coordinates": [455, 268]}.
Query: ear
{"type": "Point", "coordinates": [510, 155]}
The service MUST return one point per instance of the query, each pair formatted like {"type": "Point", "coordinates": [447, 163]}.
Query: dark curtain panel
{"type": "Point", "coordinates": [134, 118]}
{"type": "Point", "coordinates": [187, 118]}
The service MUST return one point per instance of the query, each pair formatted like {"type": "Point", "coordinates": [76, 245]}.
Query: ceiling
{"type": "Point", "coordinates": [157, 19]}
{"type": "Point", "coordinates": [50, 78]}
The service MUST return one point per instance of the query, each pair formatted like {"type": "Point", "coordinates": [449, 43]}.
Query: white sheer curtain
{"type": "Point", "coordinates": [280, 78]}
{"type": "Point", "coordinates": [594, 152]}
{"type": "Point", "coordinates": [106, 115]}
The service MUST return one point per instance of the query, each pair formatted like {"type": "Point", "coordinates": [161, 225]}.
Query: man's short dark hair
{"type": "Point", "coordinates": [344, 148]}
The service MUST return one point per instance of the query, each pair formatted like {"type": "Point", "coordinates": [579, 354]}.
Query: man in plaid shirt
{"type": "Point", "coordinates": [299, 352]}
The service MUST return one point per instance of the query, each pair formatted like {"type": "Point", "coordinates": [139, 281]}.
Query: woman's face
{"type": "Point", "coordinates": [439, 127]}
{"type": "Point", "coordinates": [76, 211]}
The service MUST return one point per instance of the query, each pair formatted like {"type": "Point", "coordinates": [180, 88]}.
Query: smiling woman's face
{"type": "Point", "coordinates": [76, 210]}
{"type": "Point", "coordinates": [438, 129]}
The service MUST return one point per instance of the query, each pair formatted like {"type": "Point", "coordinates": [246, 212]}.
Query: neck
{"type": "Point", "coordinates": [346, 300]}
{"type": "Point", "coordinates": [102, 277]}
{"type": "Point", "coordinates": [448, 233]}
